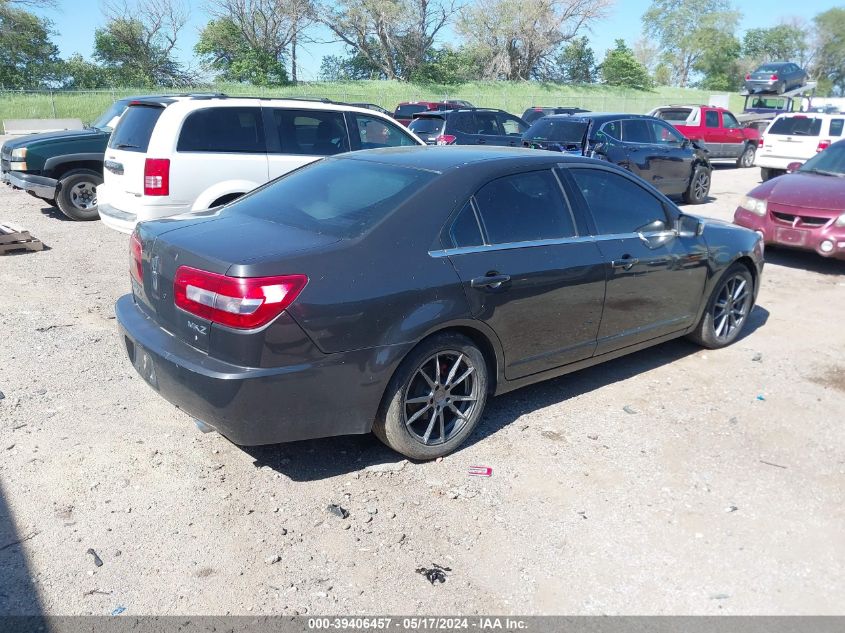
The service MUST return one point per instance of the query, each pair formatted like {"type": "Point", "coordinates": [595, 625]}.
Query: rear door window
{"type": "Point", "coordinates": [487, 124]}
{"type": "Point", "coordinates": [465, 230]}
{"type": "Point", "coordinates": [636, 131]}
{"type": "Point", "coordinates": [135, 128]}
{"type": "Point", "coordinates": [796, 126]}
{"type": "Point", "coordinates": [511, 125]}
{"type": "Point", "coordinates": [711, 119]}
{"type": "Point", "coordinates": [371, 132]}
{"type": "Point", "coordinates": [223, 130]}
{"type": "Point", "coordinates": [311, 132]}
{"type": "Point", "coordinates": [524, 207]}
{"type": "Point", "coordinates": [618, 205]}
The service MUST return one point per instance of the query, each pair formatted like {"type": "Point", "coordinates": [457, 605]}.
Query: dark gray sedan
{"type": "Point", "coordinates": [777, 77]}
{"type": "Point", "coordinates": [395, 290]}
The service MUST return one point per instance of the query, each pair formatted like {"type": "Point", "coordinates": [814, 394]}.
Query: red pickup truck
{"type": "Point", "coordinates": [716, 128]}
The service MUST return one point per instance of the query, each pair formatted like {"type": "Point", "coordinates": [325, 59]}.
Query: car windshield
{"type": "Point", "coordinates": [409, 110]}
{"type": "Point", "coordinates": [342, 198]}
{"type": "Point", "coordinates": [108, 119]}
{"type": "Point", "coordinates": [427, 125]}
{"type": "Point", "coordinates": [830, 161]}
{"type": "Point", "coordinates": [564, 130]}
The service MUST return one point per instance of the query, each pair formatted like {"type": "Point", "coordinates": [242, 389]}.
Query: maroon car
{"type": "Point", "coordinates": [803, 209]}
{"type": "Point", "coordinates": [406, 110]}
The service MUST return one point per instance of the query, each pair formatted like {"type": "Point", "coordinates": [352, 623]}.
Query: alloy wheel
{"type": "Point", "coordinates": [84, 195]}
{"type": "Point", "coordinates": [731, 307]}
{"type": "Point", "coordinates": [701, 186]}
{"type": "Point", "coordinates": [748, 158]}
{"type": "Point", "coordinates": [441, 397]}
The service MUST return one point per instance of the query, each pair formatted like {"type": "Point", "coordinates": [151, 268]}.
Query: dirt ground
{"type": "Point", "coordinates": [720, 490]}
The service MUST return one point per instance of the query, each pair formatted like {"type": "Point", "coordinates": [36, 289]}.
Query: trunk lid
{"type": "Point", "coordinates": [215, 243]}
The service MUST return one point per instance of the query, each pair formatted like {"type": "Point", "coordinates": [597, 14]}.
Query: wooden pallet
{"type": "Point", "coordinates": [14, 238]}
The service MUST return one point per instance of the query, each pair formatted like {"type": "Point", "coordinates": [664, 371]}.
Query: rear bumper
{"type": "Point", "coordinates": [116, 219]}
{"type": "Point", "coordinates": [36, 185]}
{"type": "Point", "coordinates": [125, 221]}
{"type": "Point", "coordinates": [776, 162]}
{"type": "Point", "coordinates": [827, 241]}
{"type": "Point", "coordinates": [338, 394]}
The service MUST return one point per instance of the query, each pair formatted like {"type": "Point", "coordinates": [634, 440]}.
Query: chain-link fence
{"type": "Point", "coordinates": [87, 105]}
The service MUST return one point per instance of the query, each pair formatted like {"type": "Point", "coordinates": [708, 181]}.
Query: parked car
{"type": "Point", "coordinates": [804, 209]}
{"type": "Point", "coordinates": [778, 77]}
{"type": "Point", "coordinates": [372, 106]}
{"type": "Point", "coordinates": [715, 129]}
{"type": "Point", "coordinates": [172, 155]}
{"type": "Point", "coordinates": [406, 110]}
{"type": "Point", "coordinates": [796, 137]}
{"type": "Point", "coordinates": [63, 168]}
{"type": "Point", "coordinates": [473, 126]}
{"type": "Point", "coordinates": [650, 148]}
{"type": "Point", "coordinates": [537, 112]}
{"type": "Point", "coordinates": [394, 290]}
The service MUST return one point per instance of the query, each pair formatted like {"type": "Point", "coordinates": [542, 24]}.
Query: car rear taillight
{"type": "Point", "coordinates": [136, 251]}
{"type": "Point", "coordinates": [762, 141]}
{"type": "Point", "coordinates": [823, 145]}
{"type": "Point", "coordinates": [237, 302]}
{"type": "Point", "coordinates": [445, 139]}
{"type": "Point", "coordinates": [748, 77]}
{"type": "Point", "coordinates": [774, 77]}
{"type": "Point", "coordinates": [157, 177]}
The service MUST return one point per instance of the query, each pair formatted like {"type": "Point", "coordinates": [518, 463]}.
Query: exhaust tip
{"type": "Point", "coordinates": [205, 428]}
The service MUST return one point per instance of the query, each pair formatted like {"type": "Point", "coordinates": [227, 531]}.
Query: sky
{"type": "Point", "coordinates": [75, 21]}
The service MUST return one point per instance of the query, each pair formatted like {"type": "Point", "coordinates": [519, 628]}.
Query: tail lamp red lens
{"type": "Point", "coordinates": [823, 145]}
{"type": "Point", "coordinates": [237, 302]}
{"type": "Point", "coordinates": [157, 177]}
{"type": "Point", "coordinates": [445, 139]}
{"type": "Point", "coordinates": [774, 77]}
{"type": "Point", "coordinates": [747, 77]}
{"type": "Point", "coordinates": [136, 252]}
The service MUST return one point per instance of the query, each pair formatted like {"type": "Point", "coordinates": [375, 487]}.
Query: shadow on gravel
{"type": "Point", "coordinates": [807, 260]}
{"type": "Point", "coordinates": [54, 214]}
{"type": "Point", "coordinates": [320, 459]}
{"type": "Point", "coordinates": [18, 595]}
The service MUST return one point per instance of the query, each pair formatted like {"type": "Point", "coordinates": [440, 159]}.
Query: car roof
{"type": "Point", "coordinates": [186, 101]}
{"type": "Point", "coordinates": [447, 158]}
{"type": "Point", "coordinates": [601, 117]}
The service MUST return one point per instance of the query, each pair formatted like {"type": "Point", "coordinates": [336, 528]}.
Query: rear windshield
{"type": "Point", "coordinates": [562, 130]}
{"type": "Point", "coordinates": [796, 126]}
{"type": "Point", "coordinates": [407, 111]}
{"type": "Point", "coordinates": [427, 125]}
{"type": "Point", "coordinates": [770, 68]}
{"type": "Point", "coordinates": [830, 161]}
{"type": "Point", "coordinates": [343, 198]}
{"type": "Point", "coordinates": [676, 115]}
{"type": "Point", "coordinates": [133, 132]}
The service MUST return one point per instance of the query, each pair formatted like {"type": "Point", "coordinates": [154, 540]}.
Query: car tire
{"type": "Point", "coordinates": [727, 310]}
{"type": "Point", "coordinates": [77, 195]}
{"type": "Point", "coordinates": [699, 186]}
{"type": "Point", "coordinates": [746, 159]}
{"type": "Point", "coordinates": [418, 398]}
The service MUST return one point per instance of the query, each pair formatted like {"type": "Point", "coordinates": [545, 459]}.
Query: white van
{"type": "Point", "coordinates": [796, 137]}
{"type": "Point", "coordinates": [172, 155]}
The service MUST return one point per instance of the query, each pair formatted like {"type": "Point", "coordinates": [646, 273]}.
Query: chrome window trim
{"type": "Point", "coordinates": [487, 248]}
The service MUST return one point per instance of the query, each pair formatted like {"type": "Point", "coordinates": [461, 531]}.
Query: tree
{"type": "Point", "coordinates": [719, 63]}
{"type": "Point", "coordinates": [784, 42]}
{"type": "Point", "coordinates": [448, 66]}
{"type": "Point", "coordinates": [393, 36]}
{"type": "Point", "coordinates": [267, 31]}
{"type": "Point", "coordinates": [575, 64]}
{"type": "Point", "coordinates": [139, 50]}
{"type": "Point", "coordinates": [830, 60]}
{"type": "Point", "coordinates": [224, 50]}
{"type": "Point", "coordinates": [353, 67]}
{"type": "Point", "coordinates": [28, 58]}
{"type": "Point", "coordinates": [621, 68]}
{"type": "Point", "coordinates": [516, 38]}
{"type": "Point", "coordinates": [80, 74]}
{"type": "Point", "coordinates": [677, 25]}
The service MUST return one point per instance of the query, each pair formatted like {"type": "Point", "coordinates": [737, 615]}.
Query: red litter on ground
{"type": "Point", "coordinates": [480, 471]}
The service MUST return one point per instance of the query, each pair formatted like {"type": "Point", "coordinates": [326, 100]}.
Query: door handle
{"type": "Point", "coordinates": [481, 141]}
{"type": "Point", "coordinates": [494, 281]}
{"type": "Point", "coordinates": [626, 263]}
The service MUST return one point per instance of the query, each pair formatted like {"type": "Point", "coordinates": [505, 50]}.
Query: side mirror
{"type": "Point", "coordinates": [793, 167]}
{"type": "Point", "coordinates": [689, 226]}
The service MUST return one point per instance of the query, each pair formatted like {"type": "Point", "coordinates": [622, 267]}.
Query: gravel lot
{"type": "Point", "coordinates": [722, 491]}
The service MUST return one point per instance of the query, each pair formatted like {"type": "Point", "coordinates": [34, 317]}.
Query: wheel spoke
{"type": "Point", "coordinates": [463, 377]}
{"type": "Point", "coordinates": [457, 411]}
{"type": "Point", "coordinates": [739, 287]}
{"type": "Point", "coordinates": [420, 400]}
{"type": "Point", "coordinates": [454, 370]}
{"type": "Point", "coordinates": [437, 369]}
{"type": "Point", "coordinates": [417, 415]}
{"type": "Point", "coordinates": [721, 326]}
{"type": "Point", "coordinates": [430, 426]}
{"type": "Point", "coordinates": [442, 426]}
{"type": "Point", "coordinates": [430, 382]}
{"type": "Point", "coordinates": [463, 399]}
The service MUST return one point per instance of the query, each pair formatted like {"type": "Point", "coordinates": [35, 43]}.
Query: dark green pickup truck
{"type": "Point", "coordinates": [62, 168]}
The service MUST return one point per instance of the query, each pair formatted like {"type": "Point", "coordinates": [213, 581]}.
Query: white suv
{"type": "Point", "coordinates": [796, 137]}
{"type": "Point", "coordinates": [172, 155]}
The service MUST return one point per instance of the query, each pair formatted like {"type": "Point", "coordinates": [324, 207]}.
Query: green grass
{"type": "Point", "coordinates": [514, 97]}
